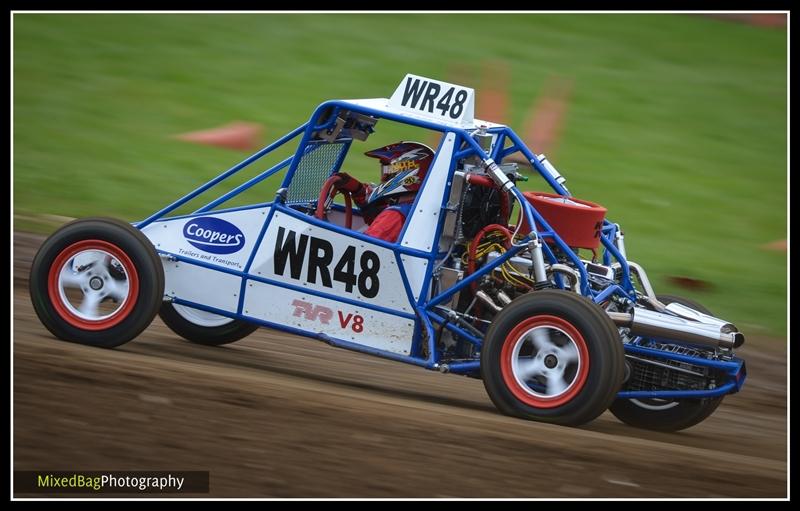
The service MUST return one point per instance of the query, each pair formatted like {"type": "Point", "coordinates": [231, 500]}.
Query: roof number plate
{"type": "Point", "coordinates": [440, 102]}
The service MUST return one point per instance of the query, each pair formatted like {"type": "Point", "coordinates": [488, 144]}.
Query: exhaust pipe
{"type": "Point", "coordinates": [486, 299]}
{"type": "Point", "coordinates": [706, 330]}
{"type": "Point", "coordinates": [693, 315]}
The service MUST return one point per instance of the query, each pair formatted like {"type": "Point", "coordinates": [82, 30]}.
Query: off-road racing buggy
{"type": "Point", "coordinates": [484, 280]}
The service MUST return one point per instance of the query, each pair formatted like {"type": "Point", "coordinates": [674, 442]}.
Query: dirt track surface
{"type": "Point", "coordinates": [277, 415]}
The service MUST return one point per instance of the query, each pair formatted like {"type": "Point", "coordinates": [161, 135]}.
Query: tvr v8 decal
{"type": "Point", "coordinates": [324, 315]}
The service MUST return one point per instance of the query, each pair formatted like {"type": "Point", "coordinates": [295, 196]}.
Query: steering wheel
{"type": "Point", "coordinates": [329, 191]}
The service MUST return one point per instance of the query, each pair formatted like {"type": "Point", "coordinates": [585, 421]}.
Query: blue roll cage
{"type": "Point", "coordinates": [426, 312]}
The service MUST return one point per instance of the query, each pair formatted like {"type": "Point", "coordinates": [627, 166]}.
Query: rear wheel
{"type": "Point", "coordinates": [552, 356]}
{"type": "Point", "coordinates": [203, 327]}
{"type": "Point", "coordinates": [96, 281]}
{"type": "Point", "coordinates": [667, 414]}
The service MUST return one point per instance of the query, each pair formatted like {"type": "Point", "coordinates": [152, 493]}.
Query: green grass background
{"type": "Point", "coordinates": [677, 123]}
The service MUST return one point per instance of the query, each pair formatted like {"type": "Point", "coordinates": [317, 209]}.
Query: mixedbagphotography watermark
{"type": "Point", "coordinates": [96, 481]}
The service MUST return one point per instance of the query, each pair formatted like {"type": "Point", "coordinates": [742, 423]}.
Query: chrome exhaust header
{"type": "Point", "coordinates": [693, 315]}
{"type": "Point", "coordinates": [705, 330]}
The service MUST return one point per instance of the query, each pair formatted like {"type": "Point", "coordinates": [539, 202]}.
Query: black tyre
{"type": "Point", "coordinates": [552, 356]}
{"type": "Point", "coordinates": [666, 414]}
{"type": "Point", "coordinates": [96, 281]}
{"type": "Point", "coordinates": [203, 327]}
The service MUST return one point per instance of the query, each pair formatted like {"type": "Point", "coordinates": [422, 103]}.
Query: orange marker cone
{"type": "Point", "coordinates": [492, 102]}
{"type": "Point", "coordinates": [238, 135]}
{"type": "Point", "coordinates": [544, 121]}
{"type": "Point", "coordinates": [777, 245]}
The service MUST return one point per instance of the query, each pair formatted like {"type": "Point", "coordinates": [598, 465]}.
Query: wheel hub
{"type": "Point", "coordinates": [545, 360]}
{"type": "Point", "coordinates": [84, 284]}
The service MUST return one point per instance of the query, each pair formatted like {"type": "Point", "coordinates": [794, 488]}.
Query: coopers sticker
{"type": "Point", "coordinates": [213, 235]}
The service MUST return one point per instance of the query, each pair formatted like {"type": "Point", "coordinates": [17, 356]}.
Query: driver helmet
{"type": "Point", "coordinates": [404, 166]}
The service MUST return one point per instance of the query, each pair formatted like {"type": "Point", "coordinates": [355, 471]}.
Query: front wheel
{"type": "Point", "coordinates": [203, 327]}
{"type": "Point", "coordinates": [667, 414]}
{"type": "Point", "coordinates": [96, 281]}
{"type": "Point", "coordinates": [552, 356]}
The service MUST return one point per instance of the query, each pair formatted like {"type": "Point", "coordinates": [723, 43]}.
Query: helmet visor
{"type": "Point", "coordinates": [389, 170]}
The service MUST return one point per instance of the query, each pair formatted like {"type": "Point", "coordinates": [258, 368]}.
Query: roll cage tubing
{"type": "Point", "coordinates": [498, 153]}
{"type": "Point", "coordinates": [428, 310]}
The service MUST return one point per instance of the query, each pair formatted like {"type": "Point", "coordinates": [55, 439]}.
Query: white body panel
{"type": "Point", "coordinates": [276, 304]}
{"type": "Point", "coordinates": [202, 285]}
{"type": "Point", "coordinates": [415, 268]}
{"type": "Point", "coordinates": [391, 292]}
{"type": "Point", "coordinates": [427, 211]}
{"type": "Point", "coordinates": [321, 315]}
{"type": "Point", "coordinates": [383, 105]}
{"type": "Point", "coordinates": [168, 235]}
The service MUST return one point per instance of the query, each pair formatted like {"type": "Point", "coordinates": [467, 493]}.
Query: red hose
{"type": "Point", "coordinates": [477, 179]}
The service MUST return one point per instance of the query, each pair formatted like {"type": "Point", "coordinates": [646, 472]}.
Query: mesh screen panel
{"type": "Point", "coordinates": [312, 171]}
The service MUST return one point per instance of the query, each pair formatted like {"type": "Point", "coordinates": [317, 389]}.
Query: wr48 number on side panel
{"type": "Point", "coordinates": [293, 249]}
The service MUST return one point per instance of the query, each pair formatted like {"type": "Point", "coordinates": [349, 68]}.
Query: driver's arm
{"type": "Point", "coordinates": [358, 191]}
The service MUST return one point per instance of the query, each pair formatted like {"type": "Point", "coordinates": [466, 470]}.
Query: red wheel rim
{"type": "Point", "coordinates": [58, 276]}
{"type": "Point", "coordinates": [531, 379]}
